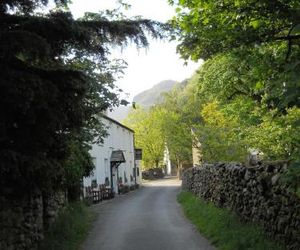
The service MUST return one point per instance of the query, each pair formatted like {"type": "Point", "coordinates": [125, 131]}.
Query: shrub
{"type": "Point", "coordinates": [70, 228]}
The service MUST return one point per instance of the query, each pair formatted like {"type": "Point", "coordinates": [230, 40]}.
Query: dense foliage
{"type": "Point", "coordinates": [208, 27]}
{"type": "Point", "coordinates": [247, 91]}
{"type": "Point", "coordinates": [148, 135]}
{"type": "Point", "coordinates": [55, 80]}
{"type": "Point", "coordinates": [160, 130]}
{"type": "Point", "coordinates": [245, 97]}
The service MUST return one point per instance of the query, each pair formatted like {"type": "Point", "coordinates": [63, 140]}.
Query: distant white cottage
{"type": "Point", "coordinates": [167, 161]}
{"type": "Point", "coordinates": [115, 161]}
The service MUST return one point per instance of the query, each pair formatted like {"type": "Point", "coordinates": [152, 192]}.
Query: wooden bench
{"type": "Point", "coordinates": [106, 192]}
{"type": "Point", "coordinates": [93, 195]}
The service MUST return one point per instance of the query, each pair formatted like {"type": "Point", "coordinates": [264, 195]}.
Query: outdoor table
{"type": "Point", "coordinates": [96, 195]}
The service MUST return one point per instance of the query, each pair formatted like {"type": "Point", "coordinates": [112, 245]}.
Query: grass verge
{"type": "Point", "coordinates": [70, 228]}
{"type": "Point", "coordinates": [223, 228]}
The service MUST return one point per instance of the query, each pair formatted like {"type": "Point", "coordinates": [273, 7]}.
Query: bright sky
{"type": "Point", "coordinates": [145, 67]}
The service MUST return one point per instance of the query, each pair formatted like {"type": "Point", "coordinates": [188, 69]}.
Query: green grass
{"type": "Point", "coordinates": [223, 228]}
{"type": "Point", "coordinates": [70, 228]}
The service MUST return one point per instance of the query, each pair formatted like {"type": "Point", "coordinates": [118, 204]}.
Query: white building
{"type": "Point", "coordinates": [115, 158]}
{"type": "Point", "coordinates": [167, 161]}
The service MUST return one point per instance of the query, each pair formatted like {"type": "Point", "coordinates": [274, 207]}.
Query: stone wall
{"type": "Point", "coordinates": [255, 193]}
{"type": "Point", "coordinates": [24, 218]}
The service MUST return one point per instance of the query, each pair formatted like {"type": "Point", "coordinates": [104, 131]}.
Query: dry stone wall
{"type": "Point", "coordinates": [24, 218]}
{"type": "Point", "coordinates": [255, 193]}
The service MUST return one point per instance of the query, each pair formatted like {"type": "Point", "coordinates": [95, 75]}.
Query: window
{"type": "Point", "coordinates": [125, 177]}
{"type": "Point", "coordinates": [106, 167]}
{"type": "Point", "coordinates": [94, 183]}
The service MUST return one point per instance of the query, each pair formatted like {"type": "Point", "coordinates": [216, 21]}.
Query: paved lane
{"type": "Point", "coordinates": [147, 219]}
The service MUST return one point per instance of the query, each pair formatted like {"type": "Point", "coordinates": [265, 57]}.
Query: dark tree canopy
{"type": "Point", "coordinates": [55, 79]}
{"type": "Point", "coordinates": [27, 6]}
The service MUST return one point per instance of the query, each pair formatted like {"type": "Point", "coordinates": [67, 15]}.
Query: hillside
{"type": "Point", "coordinates": [146, 98]}
{"type": "Point", "coordinates": [152, 96]}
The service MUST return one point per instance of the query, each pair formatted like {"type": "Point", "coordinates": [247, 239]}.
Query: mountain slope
{"type": "Point", "coordinates": [146, 98]}
{"type": "Point", "coordinates": [152, 96]}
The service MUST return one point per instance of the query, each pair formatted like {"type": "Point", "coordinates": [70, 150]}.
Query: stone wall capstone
{"type": "Point", "coordinates": [254, 193]}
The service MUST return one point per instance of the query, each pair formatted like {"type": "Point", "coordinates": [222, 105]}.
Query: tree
{"type": "Point", "coordinates": [176, 127]}
{"type": "Point", "coordinates": [255, 45]}
{"type": "Point", "coordinates": [237, 110]}
{"type": "Point", "coordinates": [207, 28]}
{"type": "Point", "coordinates": [277, 136]}
{"type": "Point", "coordinates": [252, 69]}
{"type": "Point", "coordinates": [252, 72]}
{"type": "Point", "coordinates": [220, 135]}
{"type": "Point", "coordinates": [159, 127]}
{"type": "Point", "coordinates": [259, 73]}
{"type": "Point", "coordinates": [148, 135]}
{"type": "Point", "coordinates": [55, 80]}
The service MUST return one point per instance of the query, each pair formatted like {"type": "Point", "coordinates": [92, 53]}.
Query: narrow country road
{"type": "Point", "coordinates": [147, 219]}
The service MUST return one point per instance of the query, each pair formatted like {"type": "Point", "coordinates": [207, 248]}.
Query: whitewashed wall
{"type": "Point", "coordinates": [167, 161]}
{"type": "Point", "coordinates": [119, 138]}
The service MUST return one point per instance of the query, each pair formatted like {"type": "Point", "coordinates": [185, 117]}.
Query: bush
{"type": "Point", "coordinates": [151, 174]}
{"type": "Point", "coordinates": [70, 228]}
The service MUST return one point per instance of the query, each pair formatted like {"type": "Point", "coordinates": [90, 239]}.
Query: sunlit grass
{"type": "Point", "coordinates": [222, 228]}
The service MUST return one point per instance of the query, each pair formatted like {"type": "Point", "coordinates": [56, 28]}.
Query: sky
{"type": "Point", "coordinates": [146, 67]}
